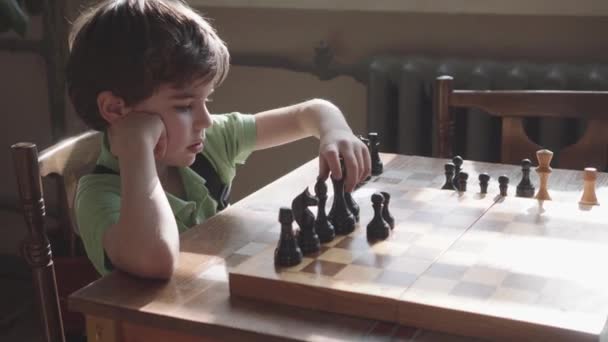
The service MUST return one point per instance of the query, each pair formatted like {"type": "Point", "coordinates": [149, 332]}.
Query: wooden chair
{"type": "Point", "coordinates": [66, 162]}
{"type": "Point", "coordinates": [512, 106]}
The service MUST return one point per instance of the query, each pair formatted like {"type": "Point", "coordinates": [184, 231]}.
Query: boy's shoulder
{"type": "Point", "coordinates": [94, 184]}
{"type": "Point", "coordinates": [224, 119]}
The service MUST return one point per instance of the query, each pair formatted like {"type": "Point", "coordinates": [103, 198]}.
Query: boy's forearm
{"type": "Point", "coordinates": [311, 118]}
{"type": "Point", "coordinates": [320, 116]}
{"type": "Point", "coordinates": [145, 241]}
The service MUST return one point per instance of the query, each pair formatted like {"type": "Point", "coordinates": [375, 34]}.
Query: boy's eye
{"type": "Point", "coordinates": [183, 108]}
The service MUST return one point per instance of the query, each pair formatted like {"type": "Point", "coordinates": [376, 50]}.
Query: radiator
{"type": "Point", "coordinates": [400, 102]}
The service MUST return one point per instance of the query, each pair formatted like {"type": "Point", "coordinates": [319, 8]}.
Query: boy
{"type": "Point", "coordinates": [142, 72]}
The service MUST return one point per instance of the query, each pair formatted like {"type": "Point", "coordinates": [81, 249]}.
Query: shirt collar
{"type": "Point", "coordinates": [106, 158]}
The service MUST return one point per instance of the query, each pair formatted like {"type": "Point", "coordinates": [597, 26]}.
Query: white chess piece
{"type": "Point", "coordinates": [589, 177]}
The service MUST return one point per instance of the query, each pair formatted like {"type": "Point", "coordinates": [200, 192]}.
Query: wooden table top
{"type": "Point", "coordinates": [197, 299]}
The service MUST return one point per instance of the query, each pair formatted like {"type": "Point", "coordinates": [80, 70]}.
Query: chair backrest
{"type": "Point", "coordinates": [513, 106]}
{"type": "Point", "coordinates": [67, 160]}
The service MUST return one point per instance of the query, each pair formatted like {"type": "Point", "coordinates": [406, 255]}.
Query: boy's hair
{"type": "Point", "coordinates": [131, 47]}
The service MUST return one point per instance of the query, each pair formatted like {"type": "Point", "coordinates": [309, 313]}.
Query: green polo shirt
{"type": "Point", "coordinates": [229, 141]}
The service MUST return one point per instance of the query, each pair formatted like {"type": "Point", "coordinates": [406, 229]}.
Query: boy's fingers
{"type": "Point", "coordinates": [161, 146]}
{"type": "Point", "coordinates": [323, 168]}
{"type": "Point", "coordinates": [333, 163]}
{"type": "Point", "coordinates": [360, 166]}
{"type": "Point", "coordinates": [367, 163]}
{"type": "Point", "coordinates": [350, 163]}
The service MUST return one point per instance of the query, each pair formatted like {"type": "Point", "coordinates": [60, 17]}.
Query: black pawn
{"type": "Point", "coordinates": [287, 252]}
{"type": "Point", "coordinates": [457, 161]}
{"type": "Point", "coordinates": [324, 228]}
{"type": "Point", "coordinates": [449, 177]}
{"type": "Point", "coordinates": [352, 205]}
{"type": "Point", "coordinates": [378, 228]}
{"type": "Point", "coordinates": [374, 145]}
{"type": "Point", "coordinates": [525, 187]}
{"type": "Point", "coordinates": [339, 215]}
{"type": "Point", "coordinates": [484, 179]}
{"type": "Point", "coordinates": [503, 184]}
{"type": "Point", "coordinates": [462, 181]}
{"type": "Point", "coordinates": [386, 215]}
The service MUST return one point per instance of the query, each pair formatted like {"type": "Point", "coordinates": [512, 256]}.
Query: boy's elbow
{"type": "Point", "coordinates": [156, 263]}
{"type": "Point", "coordinates": [160, 264]}
{"type": "Point", "coordinates": [320, 105]}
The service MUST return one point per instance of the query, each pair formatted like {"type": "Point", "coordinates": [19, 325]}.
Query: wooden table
{"type": "Point", "coordinates": [196, 305]}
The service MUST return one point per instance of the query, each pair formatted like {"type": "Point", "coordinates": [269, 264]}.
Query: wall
{"type": "Point", "coordinates": [354, 36]}
{"type": "Point", "coordinates": [294, 33]}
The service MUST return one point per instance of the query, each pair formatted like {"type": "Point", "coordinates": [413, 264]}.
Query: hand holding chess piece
{"type": "Point", "coordinates": [339, 215]}
{"type": "Point", "coordinates": [324, 228]}
{"type": "Point", "coordinates": [589, 177]}
{"type": "Point", "coordinates": [374, 145]}
{"type": "Point", "coordinates": [544, 170]}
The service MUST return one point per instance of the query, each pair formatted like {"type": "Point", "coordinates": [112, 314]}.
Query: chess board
{"type": "Point", "coordinates": [476, 265]}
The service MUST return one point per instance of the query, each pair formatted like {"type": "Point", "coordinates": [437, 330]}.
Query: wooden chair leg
{"type": "Point", "coordinates": [36, 248]}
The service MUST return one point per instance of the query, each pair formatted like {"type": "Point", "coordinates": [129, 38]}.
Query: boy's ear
{"type": "Point", "coordinates": [111, 107]}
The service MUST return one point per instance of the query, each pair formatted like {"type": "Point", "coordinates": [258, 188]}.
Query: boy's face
{"type": "Point", "coordinates": [185, 115]}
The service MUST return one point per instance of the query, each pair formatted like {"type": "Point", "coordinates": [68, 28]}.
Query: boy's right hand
{"type": "Point", "coordinates": [138, 132]}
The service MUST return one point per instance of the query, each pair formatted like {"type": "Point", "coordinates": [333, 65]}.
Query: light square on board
{"type": "Point", "coordinates": [322, 267]}
{"type": "Point", "coordinates": [472, 290]}
{"type": "Point", "coordinates": [358, 273]}
{"type": "Point", "coordinates": [252, 248]}
{"type": "Point", "coordinates": [485, 275]}
{"type": "Point", "coordinates": [339, 255]}
{"type": "Point", "coordinates": [371, 259]}
{"type": "Point", "coordinates": [409, 265]}
{"type": "Point", "coordinates": [446, 271]}
{"type": "Point", "coordinates": [394, 278]}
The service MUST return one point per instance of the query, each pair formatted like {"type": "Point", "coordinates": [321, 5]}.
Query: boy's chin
{"type": "Point", "coordinates": [183, 162]}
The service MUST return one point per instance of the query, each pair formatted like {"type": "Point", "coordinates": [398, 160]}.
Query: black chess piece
{"type": "Point", "coordinates": [386, 214]}
{"type": "Point", "coordinates": [484, 179]}
{"type": "Point", "coordinates": [352, 205]}
{"type": "Point", "coordinates": [324, 228]}
{"type": "Point", "coordinates": [449, 177]}
{"type": "Point", "coordinates": [308, 240]}
{"type": "Point", "coordinates": [374, 145]}
{"type": "Point", "coordinates": [525, 187]}
{"type": "Point", "coordinates": [339, 214]}
{"type": "Point", "coordinates": [462, 181]}
{"type": "Point", "coordinates": [457, 161]}
{"type": "Point", "coordinates": [503, 184]}
{"type": "Point", "coordinates": [378, 228]}
{"type": "Point", "coordinates": [287, 252]}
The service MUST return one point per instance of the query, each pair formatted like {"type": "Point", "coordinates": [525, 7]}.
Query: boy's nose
{"type": "Point", "coordinates": [203, 118]}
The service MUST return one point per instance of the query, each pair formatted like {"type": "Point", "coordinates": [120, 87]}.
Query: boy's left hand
{"type": "Point", "coordinates": [357, 161]}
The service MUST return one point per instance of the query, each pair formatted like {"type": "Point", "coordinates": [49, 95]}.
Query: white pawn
{"type": "Point", "coordinates": [589, 177]}
{"type": "Point", "coordinates": [544, 170]}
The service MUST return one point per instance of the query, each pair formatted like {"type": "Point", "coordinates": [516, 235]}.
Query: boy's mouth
{"type": "Point", "coordinates": [196, 147]}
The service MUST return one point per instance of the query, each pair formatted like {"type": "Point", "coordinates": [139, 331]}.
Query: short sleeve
{"type": "Point", "coordinates": [97, 206]}
{"type": "Point", "coordinates": [229, 141]}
